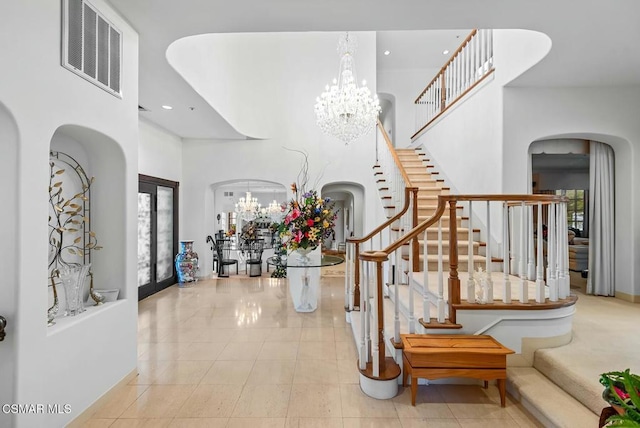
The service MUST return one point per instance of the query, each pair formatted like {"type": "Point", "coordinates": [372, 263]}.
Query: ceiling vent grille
{"type": "Point", "coordinates": [91, 45]}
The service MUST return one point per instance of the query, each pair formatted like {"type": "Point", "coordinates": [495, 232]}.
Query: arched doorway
{"type": "Point", "coordinates": [582, 171]}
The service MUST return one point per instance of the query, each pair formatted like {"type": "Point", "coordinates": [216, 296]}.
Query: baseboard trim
{"type": "Point", "coordinates": [82, 418]}
{"type": "Point", "coordinates": [633, 298]}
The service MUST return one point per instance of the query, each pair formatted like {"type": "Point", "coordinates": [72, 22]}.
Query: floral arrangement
{"type": "Point", "coordinates": [309, 219]}
{"type": "Point", "coordinates": [231, 231]}
{"type": "Point", "coordinates": [249, 231]}
{"type": "Point", "coordinates": [622, 391]}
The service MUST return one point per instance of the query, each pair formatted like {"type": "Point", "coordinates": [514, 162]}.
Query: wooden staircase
{"type": "Point", "coordinates": [423, 175]}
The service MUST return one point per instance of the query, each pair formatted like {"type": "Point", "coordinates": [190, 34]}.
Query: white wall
{"type": "Point", "coordinates": [159, 152]}
{"type": "Point", "coordinates": [9, 142]}
{"type": "Point", "coordinates": [404, 86]}
{"type": "Point", "coordinates": [280, 106]}
{"type": "Point", "coordinates": [608, 115]}
{"type": "Point", "coordinates": [50, 364]}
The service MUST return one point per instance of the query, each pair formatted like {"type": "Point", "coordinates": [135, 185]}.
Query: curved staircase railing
{"type": "Point", "coordinates": [533, 257]}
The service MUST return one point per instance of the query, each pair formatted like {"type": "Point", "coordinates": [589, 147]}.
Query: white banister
{"type": "Point", "coordinates": [531, 266]}
{"type": "Point", "coordinates": [563, 249]}
{"type": "Point", "coordinates": [441, 314]}
{"type": "Point", "coordinates": [470, 63]}
{"type": "Point", "coordinates": [524, 285]}
{"type": "Point", "coordinates": [426, 309]}
{"type": "Point", "coordinates": [540, 284]}
{"type": "Point", "coordinates": [412, 318]}
{"type": "Point", "coordinates": [551, 252]}
{"type": "Point", "coordinates": [506, 292]}
{"type": "Point", "coordinates": [488, 257]}
{"type": "Point", "coordinates": [373, 310]}
{"type": "Point", "coordinates": [364, 315]}
{"type": "Point", "coordinates": [471, 284]}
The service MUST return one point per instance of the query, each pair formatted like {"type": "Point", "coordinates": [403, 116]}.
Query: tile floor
{"type": "Point", "coordinates": [234, 353]}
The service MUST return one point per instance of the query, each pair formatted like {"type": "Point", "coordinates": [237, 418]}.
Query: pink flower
{"type": "Point", "coordinates": [295, 214]}
{"type": "Point", "coordinates": [287, 219]}
{"type": "Point", "coordinates": [297, 236]}
{"type": "Point", "coordinates": [621, 393]}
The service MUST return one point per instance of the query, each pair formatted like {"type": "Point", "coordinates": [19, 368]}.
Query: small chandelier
{"type": "Point", "coordinates": [345, 110]}
{"type": "Point", "coordinates": [248, 207]}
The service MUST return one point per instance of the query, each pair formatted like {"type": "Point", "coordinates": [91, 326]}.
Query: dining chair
{"type": "Point", "coordinates": [253, 252]}
{"type": "Point", "coordinates": [214, 250]}
{"type": "Point", "coordinates": [224, 247]}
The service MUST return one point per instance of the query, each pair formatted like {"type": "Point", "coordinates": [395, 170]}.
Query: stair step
{"type": "Point", "coordinates": [546, 401]}
{"type": "Point", "coordinates": [463, 246]}
{"type": "Point", "coordinates": [434, 324]}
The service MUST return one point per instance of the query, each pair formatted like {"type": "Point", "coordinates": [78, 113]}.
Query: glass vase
{"type": "Point", "coordinates": [303, 255]}
{"type": "Point", "coordinates": [186, 262]}
{"type": "Point", "coordinates": [73, 279]}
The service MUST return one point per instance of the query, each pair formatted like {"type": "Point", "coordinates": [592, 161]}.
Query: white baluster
{"type": "Point", "coordinates": [489, 268]}
{"type": "Point", "coordinates": [471, 283]}
{"type": "Point", "coordinates": [349, 278]}
{"type": "Point", "coordinates": [551, 252]}
{"type": "Point", "coordinates": [426, 306]}
{"type": "Point", "coordinates": [563, 234]}
{"type": "Point", "coordinates": [540, 285]}
{"type": "Point", "coordinates": [531, 265]}
{"type": "Point", "coordinates": [490, 44]}
{"type": "Point", "coordinates": [364, 314]}
{"type": "Point", "coordinates": [375, 350]}
{"type": "Point", "coordinates": [506, 292]}
{"type": "Point", "coordinates": [567, 279]}
{"type": "Point", "coordinates": [412, 318]}
{"type": "Point", "coordinates": [396, 316]}
{"type": "Point", "coordinates": [441, 316]}
{"type": "Point", "coordinates": [524, 284]}
{"type": "Point", "coordinates": [483, 51]}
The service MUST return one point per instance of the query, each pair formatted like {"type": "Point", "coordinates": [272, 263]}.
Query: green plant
{"type": "Point", "coordinates": [622, 389]}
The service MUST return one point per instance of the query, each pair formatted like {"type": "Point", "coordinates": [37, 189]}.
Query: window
{"type": "Point", "coordinates": [577, 209]}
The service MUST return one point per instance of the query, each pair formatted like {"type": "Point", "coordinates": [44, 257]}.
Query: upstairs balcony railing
{"type": "Point", "coordinates": [469, 65]}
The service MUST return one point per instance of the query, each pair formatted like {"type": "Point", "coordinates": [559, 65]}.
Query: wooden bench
{"type": "Point", "coordinates": [436, 356]}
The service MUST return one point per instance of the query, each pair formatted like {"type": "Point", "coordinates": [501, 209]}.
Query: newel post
{"type": "Point", "coordinates": [356, 276]}
{"type": "Point", "coordinates": [454, 280]}
{"type": "Point", "coordinates": [415, 245]}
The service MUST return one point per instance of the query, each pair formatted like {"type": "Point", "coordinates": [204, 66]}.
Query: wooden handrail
{"type": "Point", "coordinates": [396, 159]}
{"type": "Point", "coordinates": [446, 64]}
{"type": "Point", "coordinates": [455, 100]}
{"type": "Point", "coordinates": [374, 232]}
{"type": "Point", "coordinates": [444, 199]}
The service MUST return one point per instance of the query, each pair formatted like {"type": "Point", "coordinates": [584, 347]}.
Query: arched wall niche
{"type": "Point", "coordinates": [102, 158]}
{"type": "Point", "coordinates": [9, 143]}
{"type": "Point", "coordinates": [388, 115]}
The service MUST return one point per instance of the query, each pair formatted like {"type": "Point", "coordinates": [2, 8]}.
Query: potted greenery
{"type": "Point", "coordinates": [622, 391]}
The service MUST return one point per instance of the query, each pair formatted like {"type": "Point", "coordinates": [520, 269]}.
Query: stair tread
{"type": "Point", "coordinates": [528, 384]}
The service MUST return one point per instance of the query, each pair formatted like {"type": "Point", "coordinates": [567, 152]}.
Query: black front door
{"type": "Point", "coordinates": [157, 234]}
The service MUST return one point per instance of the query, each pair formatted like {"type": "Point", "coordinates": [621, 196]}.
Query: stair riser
{"type": "Point", "coordinates": [463, 250]}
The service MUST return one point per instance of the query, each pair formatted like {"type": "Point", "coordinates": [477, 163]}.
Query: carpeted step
{"type": "Point", "coordinates": [546, 401]}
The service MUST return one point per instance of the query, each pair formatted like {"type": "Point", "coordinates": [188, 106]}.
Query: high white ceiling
{"type": "Point", "coordinates": [595, 42]}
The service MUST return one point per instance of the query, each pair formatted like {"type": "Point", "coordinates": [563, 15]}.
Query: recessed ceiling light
{"type": "Point", "coordinates": [445, 52]}
{"type": "Point", "coordinates": [167, 107]}
{"type": "Point", "coordinates": [387, 52]}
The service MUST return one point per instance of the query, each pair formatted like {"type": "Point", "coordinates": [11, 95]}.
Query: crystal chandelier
{"type": "Point", "coordinates": [344, 109]}
{"type": "Point", "coordinates": [275, 211]}
{"type": "Point", "coordinates": [247, 207]}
